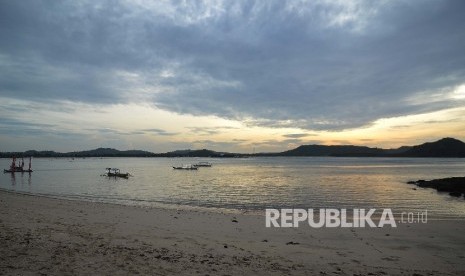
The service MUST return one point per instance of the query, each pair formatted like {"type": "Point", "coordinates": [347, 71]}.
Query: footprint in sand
{"type": "Point", "coordinates": [391, 258]}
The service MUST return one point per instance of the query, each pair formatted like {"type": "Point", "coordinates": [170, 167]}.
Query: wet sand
{"type": "Point", "coordinates": [46, 236]}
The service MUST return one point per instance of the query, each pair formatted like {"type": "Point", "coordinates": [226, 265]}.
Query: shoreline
{"type": "Point", "coordinates": [42, 235]}
{"type": "Point", "coordinates": [156, 205]}
{"type": "Point", "coordinates": [245, 157]}
{"type": "Point", "coordinates": [220, 210]}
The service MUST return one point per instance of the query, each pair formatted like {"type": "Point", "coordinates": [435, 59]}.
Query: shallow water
{"type": "Point", "coordinates": [248, 183]}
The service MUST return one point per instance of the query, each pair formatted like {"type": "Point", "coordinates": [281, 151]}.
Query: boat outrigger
{"type": "Point", "coordinates": [114, 172]}
{"type": "Point", "coordinates": [185, 167]}
{"type": "Point", "coordinates": [18, 168]}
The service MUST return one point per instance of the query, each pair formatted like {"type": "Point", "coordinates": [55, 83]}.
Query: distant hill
{"type": "Point", "coordinates": [100, 152]}
{"type": "Point", "coordinates": [109, 152]}
{"type": "Point", "coordinates": [197, 153]}
{"type": "Point", "coordinates": [446, 147]}
{"type": "Point", "coordinates": [397, 151]}
{"type": "Point", "coordinates": [320, 150]}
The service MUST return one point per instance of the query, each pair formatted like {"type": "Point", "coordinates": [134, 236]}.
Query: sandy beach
{"type": "Point", "coordinates": [46, 236]}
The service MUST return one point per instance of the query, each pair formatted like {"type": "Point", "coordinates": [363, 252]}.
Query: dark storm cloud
{"type": "Point", "coordinates": [317, 65]}
{"type": "Point", "coordinates": [6, 122]}
{"type": "Point", "coordinates": [21, 128]}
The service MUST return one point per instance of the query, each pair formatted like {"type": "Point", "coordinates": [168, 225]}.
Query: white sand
{"type": "Point", "coordinates": [41, 235]}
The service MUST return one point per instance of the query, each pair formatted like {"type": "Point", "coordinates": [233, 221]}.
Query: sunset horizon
{"type": "Point", "coordinates": [244, 137]}
{"type": "Point", "coordinates": [229, 76]}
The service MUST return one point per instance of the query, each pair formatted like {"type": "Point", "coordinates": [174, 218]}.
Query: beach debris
{"type": "Point", "coordinates": [292, 243]}
{"type": "Point", "coordinates": [265, 240]}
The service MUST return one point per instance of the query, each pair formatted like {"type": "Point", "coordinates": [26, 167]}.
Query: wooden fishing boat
{"type": "Point", "coordinates": [14, 168]}
{"type": "Point", "coordinates": [114, 172]}
{"type": "Point", "coordinates": [185, 167]}
{"type": "Point", "coordinates": [202, 164]}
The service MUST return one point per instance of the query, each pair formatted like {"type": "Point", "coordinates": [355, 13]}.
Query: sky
{"type": "Point", "coordinates": [238, 76]}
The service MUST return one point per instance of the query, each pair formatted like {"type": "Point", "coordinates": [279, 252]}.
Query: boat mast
{"type": "Point", "coordinates": [13, 164]}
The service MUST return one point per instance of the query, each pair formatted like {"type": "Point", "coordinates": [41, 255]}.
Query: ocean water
{"type": "Point", "coordinates": [251, 184]}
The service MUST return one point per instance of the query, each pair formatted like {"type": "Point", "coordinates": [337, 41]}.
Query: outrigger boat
{"type": "Point", "coordinates": [203, 164]}
{"type": "Point", "coordinates": [114, 172]}
{"type": "Point", "coordinates": [18, 168]}
{"type": "Point", "coordinates": [185, 167]}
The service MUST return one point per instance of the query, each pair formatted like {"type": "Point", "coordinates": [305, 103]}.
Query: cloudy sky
{"type": "Point", "coordinates": [229, 75]}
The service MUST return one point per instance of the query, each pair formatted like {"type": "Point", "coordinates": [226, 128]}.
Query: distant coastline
{"type": "Point", "coordinates": [446, 147]}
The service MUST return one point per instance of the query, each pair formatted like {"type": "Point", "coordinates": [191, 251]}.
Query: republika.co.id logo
{"type": "Point", "coordinates": [340, 218]}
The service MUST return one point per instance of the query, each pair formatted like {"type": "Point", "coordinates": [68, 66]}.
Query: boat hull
{"type": "Point", "coordinates": [202, 164]}
{"type": "Point", "coordinates": [124, 175]}
{"type": "Point", "coordinates": [17, 171]}
{"type": "Point", "coordinates": [181, 168]}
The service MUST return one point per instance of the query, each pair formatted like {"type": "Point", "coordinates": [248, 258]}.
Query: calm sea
{"type": "Point", "coordinates": [248, 183]}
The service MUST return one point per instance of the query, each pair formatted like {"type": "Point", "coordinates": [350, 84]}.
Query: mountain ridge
{"type": "Point", "coordinates": [445, 147]}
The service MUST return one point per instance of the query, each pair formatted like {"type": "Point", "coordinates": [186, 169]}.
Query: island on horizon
{"type": "Point", "coordinates": [445, 147]}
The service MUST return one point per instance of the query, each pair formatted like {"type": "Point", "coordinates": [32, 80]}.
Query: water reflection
{"type": "Point", "coordinates": [13, 179]}
{"type": "Point", "coordinates": [22, 177]}
{"type": "Point", "coordinates": [252, 183]}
